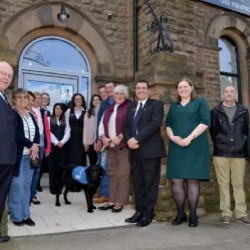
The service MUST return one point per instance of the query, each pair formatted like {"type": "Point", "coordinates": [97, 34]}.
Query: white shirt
{"type": "Point", "coordinates": [29, 131]}
{"type": "Point", "coordinates": [111, 124]}
{"type": "Point", "coordinates": [76, 112]}
{"type": "Point", "coordinates": [138, 105]}
{"type": "Point", "coordinates": [65, 138]}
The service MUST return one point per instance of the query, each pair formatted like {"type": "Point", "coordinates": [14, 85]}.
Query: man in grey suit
{"type": "Point", "coordinates": [141, 131]}
{"type": "Point", "coordinates": [8, 145]}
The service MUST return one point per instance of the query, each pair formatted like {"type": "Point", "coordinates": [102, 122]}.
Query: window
{"type": "Point", "coordinates": [56, 66]}
{"type": "Point", "coordinates": [229, 65]}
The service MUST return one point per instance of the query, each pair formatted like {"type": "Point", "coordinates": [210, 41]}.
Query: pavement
{"type": "Point", "coordinates": [50, 219]}
{"type": "Point", "coordinates": [209, 235]}
{"type": "Point", "coordinates": [70, 227]}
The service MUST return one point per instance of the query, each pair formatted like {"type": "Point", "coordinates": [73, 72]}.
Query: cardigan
{"type": "Point", "coordinates": [22, 141]}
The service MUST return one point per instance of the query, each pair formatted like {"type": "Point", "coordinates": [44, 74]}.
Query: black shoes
{"type": "Point", "coordinates": [135, 218]}
{"type": "Point", "coordinates": [29, 222]}
{"type": "Point", "coordinates": [193, 221]}
{"type": "Point", "coordinates": [144, 221]}
{"type": "Point", "coordinates": [35, 201]}
{"type": "Point", "coordinates": [18, 223]}
{"type": "Point", "coordinates": [39, 189]}
{"type": "Point", "coordinates": [179, 219]}
{"type": "Point", "coordinates": [107, 207]}
{"type": "Point", "coordinates": [4, 238]}
{"type": "Point", "coordinates": [117, 210]}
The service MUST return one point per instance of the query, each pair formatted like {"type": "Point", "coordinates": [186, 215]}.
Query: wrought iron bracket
{"type": "Point", "coordinates": [158, 26]}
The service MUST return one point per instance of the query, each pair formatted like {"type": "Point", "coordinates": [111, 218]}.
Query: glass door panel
{"type": "Point", "coordinates": [60, 89]}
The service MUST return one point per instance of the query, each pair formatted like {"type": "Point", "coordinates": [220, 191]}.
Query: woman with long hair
{"type": "Point", "coordinates": [76, 155]}
{"type": "Point", "coordinates": [60, 134]}
{"type": "Point", "coordinates": [188, 154]}
{"type": "Point", "coordinates": [89, 131]}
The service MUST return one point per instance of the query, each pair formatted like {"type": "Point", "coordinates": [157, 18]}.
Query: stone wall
{"type": "Point", "coordinates": [117, 31]}
{"type": "Point", "coordinates": [192, 57]}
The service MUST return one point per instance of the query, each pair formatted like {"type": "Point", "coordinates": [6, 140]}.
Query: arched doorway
{"type": "Point", "coordinates": [57, 66]}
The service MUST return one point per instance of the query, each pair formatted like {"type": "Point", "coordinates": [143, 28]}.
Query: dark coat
{"type": "Point", "coordinates": [22, 141]}
{"type": "Point", "coordinates": [7, 134]}
{"type": "Point", "coordinates": [230, 140]}
{"type": "Point", "coordinates": [149, 135]}
{"type": "Point", "coordinates": [103, 106]}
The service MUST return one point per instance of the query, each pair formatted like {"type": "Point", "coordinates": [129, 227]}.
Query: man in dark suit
{"type": "Point", "coordinates": [141, 130]}
{"type": "Point", "coordinates": [8, 140]}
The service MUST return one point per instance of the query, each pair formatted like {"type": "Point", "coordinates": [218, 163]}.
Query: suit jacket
{"type": "Point", "coordinates": [8, 142]}
{"type": "Point", "coordinates": [149, 134]}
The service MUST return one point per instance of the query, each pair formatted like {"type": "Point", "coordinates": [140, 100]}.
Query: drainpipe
{"type": "Point", "coordinates": [135, 36]}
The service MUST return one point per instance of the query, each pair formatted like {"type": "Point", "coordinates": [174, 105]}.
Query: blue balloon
{"type": "Point", "coordinates": [79, 174]}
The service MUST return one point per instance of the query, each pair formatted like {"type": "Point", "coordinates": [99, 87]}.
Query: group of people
{"type": "Point", "coordinates": [124, 137]}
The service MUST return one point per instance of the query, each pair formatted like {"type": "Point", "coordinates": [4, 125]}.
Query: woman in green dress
{"type": "Point", "coordinates": [188, 154]}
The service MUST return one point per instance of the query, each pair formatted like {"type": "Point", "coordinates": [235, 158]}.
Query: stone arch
{"type": "Point", "coordinates": [227, 21]}
{"type": "Point", "coordinates": [41, 20]}
{"type": "Point", "coordinates": [238, 30]}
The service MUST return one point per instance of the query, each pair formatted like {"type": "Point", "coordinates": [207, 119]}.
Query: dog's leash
{"type": "Point", "coordinates": [100, 155]}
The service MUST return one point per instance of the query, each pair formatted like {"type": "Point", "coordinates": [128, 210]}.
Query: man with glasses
{"type": "Point", "coordinates": [8, 145]}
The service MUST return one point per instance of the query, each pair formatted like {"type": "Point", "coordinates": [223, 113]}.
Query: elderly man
{"type": "Point", "coordinates": [8, 141]}
{"type": "Point", "coordinates": [229, 130]}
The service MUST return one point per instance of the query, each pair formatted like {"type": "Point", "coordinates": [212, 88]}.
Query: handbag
{"type": "Point", "coordinates": [35, 163]}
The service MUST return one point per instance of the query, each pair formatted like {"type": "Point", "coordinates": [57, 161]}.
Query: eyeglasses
{"type": "Point", "coordinates": [21, 97]}
{"type": "Point", "coordinates": [5, 74]}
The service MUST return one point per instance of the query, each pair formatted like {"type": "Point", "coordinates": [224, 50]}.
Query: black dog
{"type": "Point", "coordinates": [94, 176]}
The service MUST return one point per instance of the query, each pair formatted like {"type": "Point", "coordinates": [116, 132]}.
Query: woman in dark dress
{"type": "Point", "coordinates": [76, 155]}
{"type": "Point", "coordinates": [60, 134]}
{"type": "Point", "coordinates": [188, 154]}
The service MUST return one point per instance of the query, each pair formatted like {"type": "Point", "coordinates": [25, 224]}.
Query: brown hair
{"type": "Point", "coordinates": [19, 91]}
{"type": "Point", "coordinates": [190, 83]}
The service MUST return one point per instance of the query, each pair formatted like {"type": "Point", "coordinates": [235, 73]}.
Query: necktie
{"type": "Point", "coordinates": [136, 120]}
{"type": "Point", "coordinates": [4, 97]}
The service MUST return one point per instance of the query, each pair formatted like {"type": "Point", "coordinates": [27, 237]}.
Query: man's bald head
{"type": "Point", "coordinates": [6, 75]}
{"type": "Point", "coordinates": [230, 94]}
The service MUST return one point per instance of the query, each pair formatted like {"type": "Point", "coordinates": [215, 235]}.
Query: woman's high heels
{"type": "Point", "coordinates": [193, 221]}
{"type": "Point", "coordinates": [179, 219]}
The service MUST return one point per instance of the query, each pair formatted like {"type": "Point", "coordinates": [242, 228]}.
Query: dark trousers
{"type": "Point", "coordinates": [56, 164]}
{"type": "Point", "coordinates": [92, 155]}
{"type": "Point", "coordinates": [146, 179]}
{"type": "Point", "coordinates": [6, 172]}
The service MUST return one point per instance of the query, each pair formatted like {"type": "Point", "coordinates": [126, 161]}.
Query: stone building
{"type": "Point", "coordinates": [109, 39]}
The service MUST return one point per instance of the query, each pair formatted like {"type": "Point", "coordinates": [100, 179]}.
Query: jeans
{"type": "Point", "coordinates": [105, 179]}
{"type": "Point", "coordinates": [36, 175]}
{"type": "Point", "coordinates": [19, 194]}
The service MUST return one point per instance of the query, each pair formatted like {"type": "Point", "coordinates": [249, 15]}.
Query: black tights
{"type": "Point", "coordinates": [182, 188]}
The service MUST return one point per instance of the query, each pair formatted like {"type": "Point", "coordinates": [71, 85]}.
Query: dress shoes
{"type": "Point", "coordinates": [39, 189]}
{"type": "Point", "coordinates": [179, 219]}
{"type": "Point", "coordinates": [29, 222]}
{"type": "Point", "coordinates": [4, 238]}
{"type": "Point", "coordinates": [35, 201]}
{"type": "Point", "coordinates": [117, 210]}
{"type": "Point", "coordinates": [18, 223]}
{"type": "Point", "coordinates": [193, 221]}
{"type": "Point", "coordinates": [135, 218]}
{"type": "Point", "coordinates": [144, 221]}
{"type": "Point", "coordinates": [107, 207]}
